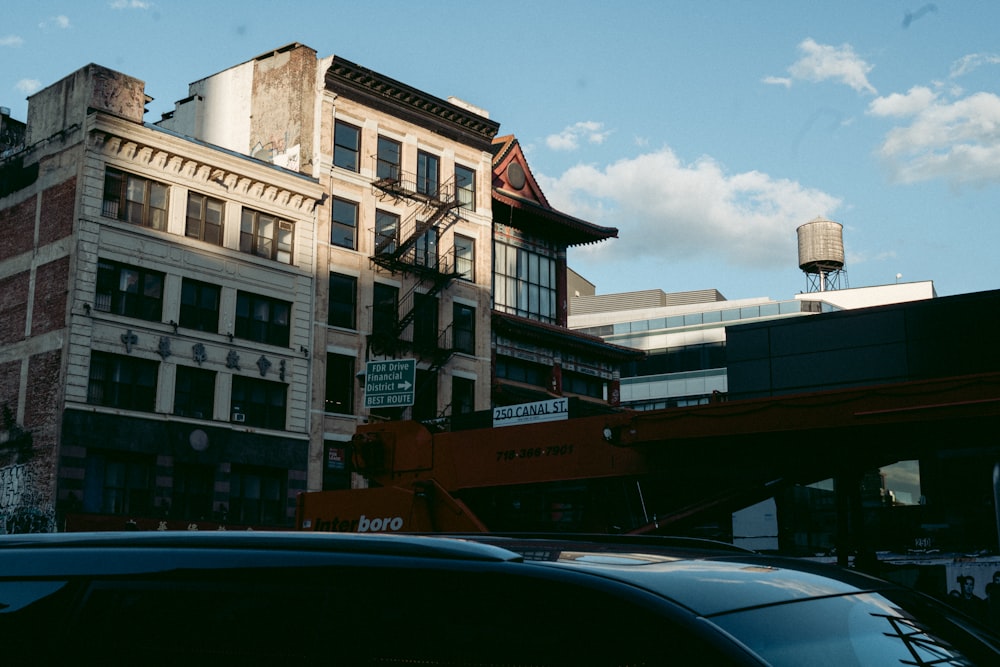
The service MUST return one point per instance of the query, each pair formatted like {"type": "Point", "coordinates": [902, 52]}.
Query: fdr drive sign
{"type": "Point", "coordinates": [389, 384]}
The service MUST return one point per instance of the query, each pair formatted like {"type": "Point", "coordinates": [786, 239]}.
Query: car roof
{"type": "Point", "coordinates": [704, 576]}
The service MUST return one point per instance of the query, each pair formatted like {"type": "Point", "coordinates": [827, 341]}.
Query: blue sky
{"type": "Point", "coordinates": [706, 131]}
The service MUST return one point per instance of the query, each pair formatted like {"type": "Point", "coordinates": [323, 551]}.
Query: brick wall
{"type": "Point", "coordinates": [17, 228]}
{"type": "Point", "coordinates": [13, 305]}
{"type": "Point", "coordinates": [56, 220]}
{"type": "Point", "coordinates": [51, 292]}
{"type": "Point", "coordinates": [10, 382]}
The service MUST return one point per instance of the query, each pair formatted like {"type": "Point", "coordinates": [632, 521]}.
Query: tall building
{"type": "Point", "coordinates": [157, 300]}
{"type": "Point", "coordinates": [403, 257]}
{"type": "Point", "coordinates": [536, 355]}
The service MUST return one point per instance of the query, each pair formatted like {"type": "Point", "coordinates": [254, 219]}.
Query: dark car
{"type": "Point", "coordinates": [244, 598]}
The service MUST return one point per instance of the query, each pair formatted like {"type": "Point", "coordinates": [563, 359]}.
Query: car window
{"type": "Point", "coordinates": [356, 616]}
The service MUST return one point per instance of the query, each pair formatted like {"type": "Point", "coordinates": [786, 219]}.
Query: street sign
{"type": "Point", "coordinates": [390, 383]}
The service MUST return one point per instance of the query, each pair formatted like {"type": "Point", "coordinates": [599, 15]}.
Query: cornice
{"type": "Point", "coordinates": [199, 170]}
{"type": "Point", "coordinates": [380, 92]}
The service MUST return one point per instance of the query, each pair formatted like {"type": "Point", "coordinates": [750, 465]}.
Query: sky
{"type": "Point", "coordinates": [705, 131]}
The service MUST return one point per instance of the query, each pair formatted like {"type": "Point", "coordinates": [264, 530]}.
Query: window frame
{"type": "Point", "coordinates": [519, 287]}
{"type": "Point", "coordinates": [386, 232]}
{"type": "Point", "coordinates": [428, 171]}
{"type": "Point", "coordinates": [426, 318]}
{"type": "Point", "coordinates": [132, 494]}
{"type": "Point", "coordinates": [386, 168]}
{"type": "Point", "coordinates": [349, 229]}
{"type": "Point", "coordinates": [341, 375]}
{"type": "Point", "coordinates": [202, 219]}
{"type": "Point", "coordinates": [194, 388]}
{"type": "Point", "coordinates": [271, 331]}
{"type": "Point", "coordinates": [385, 310]}
{"type": "Point", "coordinates": [119, 202]}
{"type": "Point", "coordinates": [462, 313]}
{"type": "Point", "coordinates": [192, 495]}
{"type": "Point", "coordinates": [426, 251]}
{"type": "Point", "coordinates": [468, 202]}
{"type": "Point", "coordinates": [193, 314]}
{"type": "Point", "coordinates": [255, 240]}
{"type": "Point", "coordinates": [349, 149]}
{"type": "Point", "coordinates": [465, 257]}
{"type": "Point", "coordinates": [122, 382]}
{"type": "Point", "coordinates": [348, 308]}
{"type": "Point", "coordinates": [140, 304]}
{"type": "Point", "coordinates": [463, 395]}
{"type": "Point", "coordinates": [267, 413]}
{"type": "Point", "coordinates": [273, 511]}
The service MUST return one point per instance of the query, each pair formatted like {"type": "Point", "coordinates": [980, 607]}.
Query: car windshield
{"type": "Point", "coordinates": [862, 629]}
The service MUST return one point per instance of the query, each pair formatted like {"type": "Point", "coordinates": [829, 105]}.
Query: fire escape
{"type": "Point", "coordinates": [412, 249]}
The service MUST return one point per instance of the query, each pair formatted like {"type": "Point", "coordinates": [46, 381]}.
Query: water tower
{"type": "Point", "coordinates": [821, 254]}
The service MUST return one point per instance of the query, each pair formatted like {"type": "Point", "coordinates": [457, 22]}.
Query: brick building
{"type": "Point", "coordinates": [155, 299]}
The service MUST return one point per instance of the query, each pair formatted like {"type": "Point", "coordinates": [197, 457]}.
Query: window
{"type": "Point", "coordinates": [465, 187]}
{"type": "Point", "coordinates": [204, 218]}
{"type": "Point", "coordinates": [465, 257]}
{"type": "Point", "coordinates": [262, 319]}
{"type": "Point", "coordinates": [194, 393]}
{"type": "Point", "coordinates": [193, 490]}
{"type": "Point", "coordinates": [426, 249]}
{"type": "Point", "coordinates": [343, 310]}
{"type": "Point", "coordinates": [524, 282]}
{"type": "Point", "coordinates": [463, 328]}
{"type": "Point", "coordinates": [463, 391]}
{"type": "Point", "coordinates": [122, 382]}
{"type": "Point", "coordinates": [585, 385]}
{"type": "Point", "coordinates": [118, 483]}
{"type": "Point", "coordinates": [385, 310]}
{"type": "Point", "coordinates": [261, 402]}
{"type": "Point", "coordinates": [135, 199]}
{"type": "Point", "coordinates": [344, 226]}
{"type": "Point", "coordinates": [340, 381]}
{"type": "Point", "coordinates": [199, 306]}
{"type": "Point", "coordinates": [386, 232]}
{"type": "Point", "coordinates": [425, 322]}
{"type": "Point", "coordinates": [266, 236]}
{"type": "Point", "coordinates": [257, 496]}
{"type": "Point", "coordinates": [388, 160]}
{"type": "Point", "coordinates": [425, 395]}
{"type": "Point", "coordinates": [427, 174]}
{"type": "Point", "coordinates": [346, 146]}
{"type": "Point", "coordinates": [523, 371]}
{"type": "Point", "coordinates": [129, 290]}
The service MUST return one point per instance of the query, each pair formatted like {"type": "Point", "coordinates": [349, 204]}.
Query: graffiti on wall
{"type": "Point", "coordinates": [19, 511]}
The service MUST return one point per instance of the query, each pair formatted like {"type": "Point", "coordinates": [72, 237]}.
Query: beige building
{"type": "Point", "coordinates": [159, 299]}
{"type": "Point", "coordinates": [403, 238]}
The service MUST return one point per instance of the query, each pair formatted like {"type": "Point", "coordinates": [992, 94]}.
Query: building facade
{"type": "Point", "coordinates": [158, 298]}
{"type": "Point", "coordinates": [684, 333]}
{"type": "Point", "coordinates": [403, 246]}
{"type": "Point", "coordinates": [535, 354]}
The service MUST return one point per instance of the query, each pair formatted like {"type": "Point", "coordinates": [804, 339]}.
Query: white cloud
{"type": "Point", "coordinates": [777, 81]}
{"type": "Point", "coordinates": [821, 62]}
{"type": "Point", "coordinates": [130, 4]}
{"type": "Point", "coordinates": [671, 210]}
{"type": "Point", "coordinates": [973, 61]}
{"type": "Point", "coordinates": [28, 86]}
{"type": "Point", "coordinates": [914, 101]}
{"type": "Point", "coordinates": [11, 40]}
{"type": "Point", "coordinates": [60, 22]}
{"type": "Point", "coordinates": [569, 139]}
{"type": "Point", "coordinates": [953, 140]}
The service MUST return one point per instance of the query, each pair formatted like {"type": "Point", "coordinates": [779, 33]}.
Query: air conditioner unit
{"type": "Point", "coordinates": [239, 417]}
